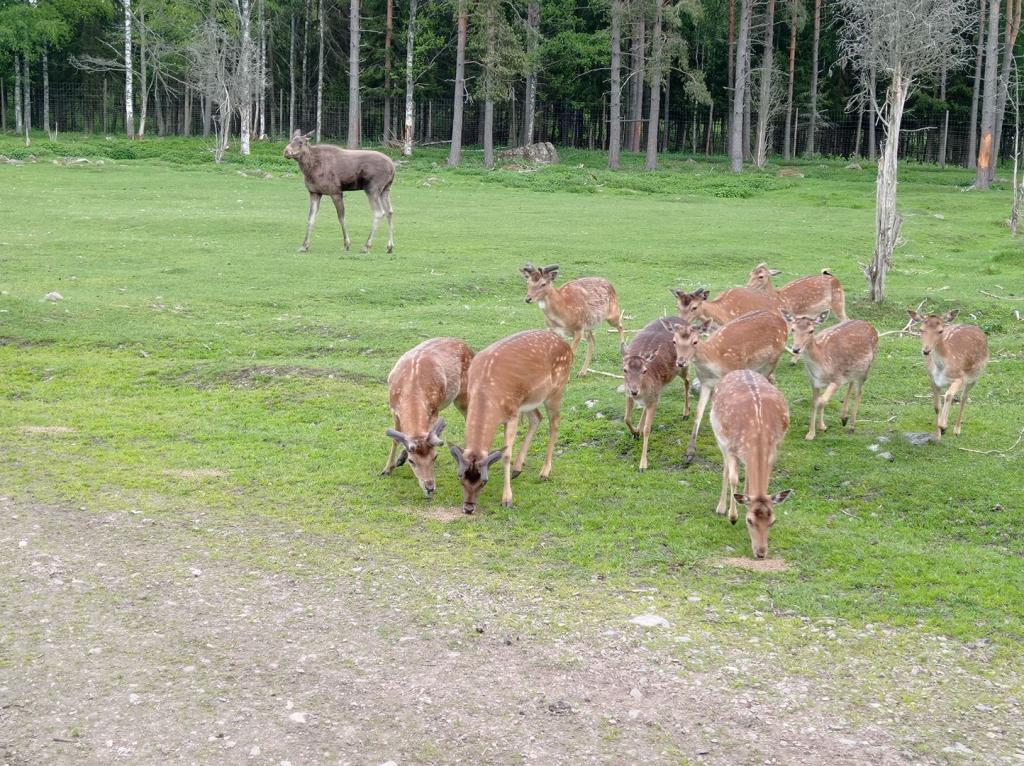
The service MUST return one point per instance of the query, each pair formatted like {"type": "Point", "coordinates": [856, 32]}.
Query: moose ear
{"type": "Point", "coordinates": [740, 498]}
{"type": "Point", "coordinates": [821, 317]}
{"type": "Point", "coordinates": [435, 432]}
{"type": "Point", "coordinates": [398, 436]}
{"type": "Point", "coordinates": [780, 497]}
{"type": "Point", "coordinates": [494, 457]}
{"type": "Point", "coordinates": [914, 315]}
{"type": "Point", "coordinates": [950, 316]}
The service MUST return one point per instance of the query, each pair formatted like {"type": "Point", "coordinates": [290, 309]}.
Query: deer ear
{"type": "Point", "coordinates": [494, 457]}
{"type": "Point", "coordinates": [914, 315]}
{"type": "Point", "coordinates": [788, 317]}
{"type": "Point", "coordinates": [740, 498]}
{"type": "Point", "coordinates": [950, 316]}
{"type": "Point", "coordinates": [402, 458]}
{"type": "Point", "coordinates": [310, 134]}
{"type": "Point", "coordinates": [780, 497]}
{"type": "Point", "coordinates": [821, 317]}
{"type": "Point", "coordinates": [703, 293]}
{"type": "Point", "coordinates": [761, 265]}
{"type": "Point", "coordinates": [398, 436]}
{"type": "Point", "coordinates": [435, 432]}
{"type": "Point", "coordinates": [666, 326]}
{"type": "Point", "coordinates": [680, 294]}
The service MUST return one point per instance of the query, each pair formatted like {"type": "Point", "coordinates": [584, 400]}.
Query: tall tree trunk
{"type": "Point", "coordinates": [245, 92]}
{"type": "Point", "coordinates": [532, 63]}
{"type": "Point", "coordinates": [275, 124]}
{"type": "Point", "coordinates": [143, 73]}
{"type": "Point", "coordinates": [389, 26]}
{"type": "Point", "coordinates": [711, 129]}
{"type": "Point", "coordinates": [730, 82]}
{"type": "Point", "coordinates": [129, 95]}
{"type": "Point", "coordinates": [46, 94]}
{"type": "Point", "coordinates": [788, 146]}
{"type": "Point", "coordinates": [814, 79]}
{"type": "Point", "coordinates": [354, 116]}
{"type": "Point", "coordinates": [161, 126]}
{"type": "Point", "coordinates": [1011, 29]}
{"type": "Point", "coordinates": [944, 135]}
{"type": "Point", "coordinates": [636, 106]}
{"type": "Point", "coordinates": [410, 41]}
{"type": "Point", "coordinates": [26, 90]}
{"type": "Point", "coordinates": [764, 98]}
{"type": "Point", "coordinates": [747, 98]}
{"type": "Point", "coordinates": [665, 110]}
{"type": "Point", "coordinates": [291, 79]}
{"type": "Point", "coordinates": [972, 133]}
{"type": "Point", "coordinates": [18, 116]}
{"type": "Point", "coordinates": [321, 11]}
{"type": "Point", "coordinates": [615, 91]}
{"type": "Point", "coordinates": [106, 124]}
{"type": "Point", "coordinates": [455, 153]}
{"type": "Point", "coordinates": [857, 134]}
{"type": "Point", "coordinates": [186, 120]}
{"type": "Point", "coordinates": [887, 220]}
{"type": "Point", "coordinates": [261, 133]}
{"type": "Point", "coordinates": [739, 99]}
{"type": "Point", "coordinates": [3, 105]}
{"type": "Point", "coordinates": [304, 83]}
{"type": "Point", "coordinates": [489, 85]}
{"type": "Point", "coordinates": [983, 170]}
{"type": "Point", "coordinates": [872, 115]}
{"type": "Point", "coordinates": [651, 162]}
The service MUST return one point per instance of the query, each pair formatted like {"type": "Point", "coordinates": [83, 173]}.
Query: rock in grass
{"type": "Point", "coordinates": [886, 456]}
{"type": "Point", "coordinates": [918, 439]}
{"type": "Point", "coordinates": [650, 621]}
{"type": "Point", "coordinates": [53, 297]}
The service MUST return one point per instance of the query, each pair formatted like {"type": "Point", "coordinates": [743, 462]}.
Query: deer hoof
{"type": "Point", "coordinates": [386, 472]}
{"type": "Point", "coordinates": [809, 437]}
{"type": "Point", "coordinates": [942, 430]}
{"type": "Point", "coordinates": [843, 420]}
{"type": "Point", "coordinates": [515, 473]}
{"type": "Point", "coordinates": [688, 457]}
{"type": "Point", "coordinates": [391, 249]}
{"type": "Point", "coordinates": [506, 503]}
{"type": "Point", "coordinates": [366, 249]}
{"type": "Point", "coordinates": [851, 430]}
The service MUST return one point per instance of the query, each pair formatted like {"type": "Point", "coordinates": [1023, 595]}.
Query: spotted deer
{"type": "Point", "coordinates": [729, 305]}
{"type": "Point", "coordinates": [749, 417]}
{"type": "Point", "coordinates": [511, 377]}
{"type": "Point", "coordinates": [649, 364]}
{"type": "Point", "coordinates": [842, 354]}
{"type": "Point", "coordinates": [575, 308]}
{"type": "Point", "coordinates": [806, 296]}
{"type": "Point", "coordinates": [423, 382]}
{"type": "Point", "coordinates": [957, 355]}
{"type": "Point", "coordinates": [755, 341]}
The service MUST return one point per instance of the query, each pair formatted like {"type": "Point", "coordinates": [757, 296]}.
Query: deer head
{"type": "Point", "coordinates": [472, 472]}
{"type": "Point", "coordinates": [760, 518]}
{"type": "Point", "coordinates": [538, 281]}
{"type": "Point", "coordinates": [690, 303]}
{"type": "Point", "coordinates": [421, 453]}
{"type": "Point", "coordinates": [932, 327]}
{"type": "Point", "coordinates": [685, 338]}
{"type": "Point", "coordinates": [298, 145]}
{"type": "Point", "coordinates": [634, 367]}
{"type": "Point", "coordinates": [803, 328]}
{"type": "Point", "coordinates": [761, 276]}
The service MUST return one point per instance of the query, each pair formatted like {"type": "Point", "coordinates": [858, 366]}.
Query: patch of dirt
{"type": "Point", "coordinates": [47, 430]}
{"type": "Point", "coordinates": [757, 565]}
{"type": "Point", "coordinates": [196, 473]}
{"type": "Point", "coordinates": [442, 513]}
{"type": "Point", "coordinates": [262, 375]}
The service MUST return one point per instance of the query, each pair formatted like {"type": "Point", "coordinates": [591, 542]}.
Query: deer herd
{"type": "Point", "coordinates": [729, 346]}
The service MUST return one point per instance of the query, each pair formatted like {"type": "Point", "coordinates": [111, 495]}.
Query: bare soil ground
{"type": "Point", "coordinates": [126, 639]}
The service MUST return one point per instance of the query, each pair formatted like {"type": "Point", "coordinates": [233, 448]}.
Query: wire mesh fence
{"type": "Point", "coordinates": [690, 128]}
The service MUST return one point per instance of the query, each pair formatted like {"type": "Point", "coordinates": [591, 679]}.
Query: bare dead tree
{"type": "Point", "coordinates": [902, 41]}
{"type": "Point", "coordinates": [739, 91]}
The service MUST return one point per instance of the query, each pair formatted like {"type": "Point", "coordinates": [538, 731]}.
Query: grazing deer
{"type": "Point", "coordinates": [749, 417]}
{"type": "Point", "coordinates": [511, 377]}
{"type": "Point", "coordinates": [729, 305]}
{"type": "Point", "coordinates": [957, 355]}
{"type": "Point", "coordinates": [841, 354]}
{"type": "Point", "coordinates": [575, 308]}
{"type": "Point", "coordinates": [424, 381]}
{"type": "Point", "coordinates": [649, 364]}
{"type": "Point", "coordinates": [806, 296]}
{"type": "Point", "coordinates": [332, 170]}
{"type": "Point", "coordinates": [755, 341]}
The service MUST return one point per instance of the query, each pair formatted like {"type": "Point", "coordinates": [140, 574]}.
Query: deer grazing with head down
{"type": "Point", "coordinates": [511, 377]}
{"type": "Point", "coordinates": [575, 308]}
{"type": "Point", "coordinates": [731, 304]}
{"type": "Point", "coordinates": [649, 364]}
{"type": "Point", "coordinates": [749, 417]}
{"type": "Point", "coordinates": [755, 341]}
{"type": "Point", "coordinates": [806, 296]}
{"type": "Point", "coordinates": [841, 354]}
{"type": "Point", "coordinates": [424, 381]}
{"type": "Point", "coordinates": [332, 170]}
{"type": "Point", "coordinates": [957, 355]}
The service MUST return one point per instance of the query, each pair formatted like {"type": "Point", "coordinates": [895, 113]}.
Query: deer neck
{"type": "Point", "coordinates": [481, 425]}
{"type": "Point", "coordinates": [551, 303]}
{"type": "Point", "coordinates": [758, 469]}
{"type": "Point", "coordinates": [415, 417]}
{"type": "Point", "coordinates": [815, 350]}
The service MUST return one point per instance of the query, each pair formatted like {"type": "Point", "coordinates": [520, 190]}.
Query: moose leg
{"type": "Point", "coordinates": [377, 208]}
{"type": "Point", "coordinates": [702, 403]}
{"type": "Point", "coordinates": [590, 353]}
{"type": "Point", "coordinates": [314, 208]}
{"type": "Point", "coordinates": [339, 205]}
{"type": "Point", "coordinates": [554, 409]}
{"type": "Point", "coordinates": [648, 421]}
{"type": "Point", "coordinates": [511, 426]}
{"type": "Point", "coordinates": [963, 403]}
{"type": "Point", "coordinates": [534, 417]}
{"type": "Point", "coordinates": [389, 212]}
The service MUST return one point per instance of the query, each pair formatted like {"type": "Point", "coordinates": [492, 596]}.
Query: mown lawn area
{"type": "Point", "coordinates": [197, 361]}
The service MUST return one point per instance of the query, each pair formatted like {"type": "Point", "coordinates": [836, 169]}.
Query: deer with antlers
{"type": "Point", "coordinates": [806, 296]}
{"type": "Point", "coordinates": [575, 308]}
{"type": "Point", "coordinates": [423, 382]}
{"type": "Point", "coordinates": [648, 365]}
{"type": "Point", "coordinates": [755, 341]}
{"type": "Point", "coordinates": [957, 355]}
{"type": "Point", "coordinates": [839, 355]}
{"type": "Point", "coordinates": [511, 377]}
{"type": "Point", "coordinates": [750, 418]}
{"type": "Point", "coordinates": [731, 304]}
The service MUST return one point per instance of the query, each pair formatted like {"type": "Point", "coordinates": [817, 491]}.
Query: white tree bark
{"type": "Point", "coordinates": [651, 160]}
{"type": "Point", "coordinates": [354, 115]}
{"type": "Point", "coordinates": [245, 70]}
{"type": "Point", "coordinates": [143, 72]}
{"type": "Point", "coordinates": [320, 75]}
{"type": "Point", "coordinates": [739, 91]}
{"type": "Point", "coordinates": [46, 94]}
{"type": "Point", "coordinates": [389, 25]}
{"type": "Point", "coordinates": [814, 78]}
{"type": "Point", "coordinates": [129, 95]}
{"type": "Point", "coordinates": [764, 103]}
{"type": "Point", "coordinates": [262, 133]}
{"type": "Point", "coordinates": [18, 119]}
{"type": "Point", "coordinates": [532, 44]}
{"type": "Point", "coordinates": [888, 221]}
{"type": "Point", "coordinates": [291, 79]}
{"type": "Point", "coordinates": [410, 46]}
{"type": "Point", "coordinates": [983, 176]}
{"type": "Point", "coordinates": [26, 92]}
{"type": "Point", "coordinates": [455, 153]}
{"type": "Point", "coordinates": [615, 94]}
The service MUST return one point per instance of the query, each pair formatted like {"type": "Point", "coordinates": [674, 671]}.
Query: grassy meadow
{"type": "Point", "coordinates": [197, 361]}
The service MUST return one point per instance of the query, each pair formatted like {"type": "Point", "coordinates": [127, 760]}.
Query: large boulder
{"type": "Point", "coordinates": [540, 153]}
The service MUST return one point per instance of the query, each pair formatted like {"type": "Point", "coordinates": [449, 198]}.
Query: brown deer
{"type": "Point", "coordinates": [729, 305]}
{"type": "Point", "coordinates": [649, 364]}
{"type": "Point", "coordinates": [424, 381]}
{"type": "Point", "coordinates": [755, 341]}
{"type": "Point", "coordinates": [841, 354]}
{"type": "Point", "coordinates": [575, 308]}
{"type": "Point", "coordinates": [332, 170]}
{"type": "Point", "coordinates": [806, 296]}
{"type": "Point", "coordinates": [749, 417]}
{"type": "Point", "coordinates": [509, 378]}
{"type": "Point", "coordinates": [957, 355]}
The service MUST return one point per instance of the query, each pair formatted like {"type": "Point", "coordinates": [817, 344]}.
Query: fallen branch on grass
{"type": "Point", "coordinates": [906, 328]}
{"type": "Point", "coordinates": [1009, 449]}
{"type": "Point", "coordinates": [607, 374]}
{"type": "Point", "coordinates": [999, 297]}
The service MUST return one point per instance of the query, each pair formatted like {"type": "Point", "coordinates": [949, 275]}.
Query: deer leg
{"type": "Point", "coordinates": [314, 208]}
{"type": "Point", "coordinates": [534, 418]}
{"type": "Point", "coordinates": [391, 224]}
{"type": "Point", "coordinates": [814, 413]}
{"type": "Point", "coordinates": [590, 353]}
{"type": "Point", "coordinates": [723, 499]}
{"type": "Point", "coordinates": [839, 304]}
{"type": "Point", "coordinates": [392, 455]}
{"type": "Point", "coordinates": [648, 421]}
{"type": "Point", "coordinates": [846, 401]}
{"type": "Point", "coordinates": [702, 403]}
{"type": "Point", "coordinates": [826, 395]}
{"type": "Point", "coordinates": [943, 420]}
{"type": "Point", "coordinates": [734, 482]}
{"type": "Point", "coordinates": [339, 205]}
{"type": "Point", "coordinates": [575, 343]}
{"type": "Point", "coordinates": [511, 426]}
{"type": "Point", "coordinates": [963, 403]}
{"type": "Point", "coordinates": [629, 416]}
{"type": "Point", "coordinates": [554, 409]}
{"type": "Point", "coordinates": [686, 393]}
{"type": "Point", "coordinates": [616, 322]}
{"type": "Point", "coordinates": [936, 396]}
{"type": "Point", "coordinates": [856, 407]}
{"type": "Point", "coordinates": [377, 208]}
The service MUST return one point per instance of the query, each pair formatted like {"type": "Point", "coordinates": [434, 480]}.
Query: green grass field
{"type": "Point", "coordinates": [198, 361]}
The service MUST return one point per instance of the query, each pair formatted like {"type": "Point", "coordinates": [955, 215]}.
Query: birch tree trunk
{"type": "Point", "coordinates": [489, 88]}
{"type": "Point", "coordinates": [304, 82]}
{"type": "Point", "coordinates": [972, 134]}
{"type": "Point", "coordinates": [455, 153]}
{"type": "Point", "coordinates": [354, 126]}
{"type": "Point", "coordinates": [532, 45]}
{"type": "Point", "coordinates": [143, 73]}
{"type": "Point", "coordinates": [651, 161]}
{"type": "Point", "coordinates": [636, 106]}
{"type": "Point", "coordinates": [787, 145]}
{"type": "Point", "coordinates": [129, 96]}
{"type": "Point", "coordinates": [872, 115]}
{"type": "Point", "coordinates": [983, 174]}
{"type": "Point", "coordinates": [26, 91]}
{"type": "Point", "coordinates": [764, 98]}
{"type": "Point", "coordinates": [46, 95]}
{"type": "Point", "coordinates": [410, 41]}
{"type": "Point", "coordinates": [291, 79]}
{"type": "Point", "coordinates": [244, 8]}
{"type": "Point", "coordinates": [615, 91]}
{"type": "Point", "coordinates": [320, 74]}
{"type": "Point", "coordinates": [944, 135]}
{"type": "Point", "coordinates": [389, 24]}
{"type": "Point", "coordinates": [739, 91]}
{"type": "Point", "coordinates": [261, 134]}
{"type": "Point", "coordinates": [1011, 29]}
{"type": "Point", "coordinates": [18, 117]}
{"type": "Point", "coordinates": [888, 221]}
{"type": "Point", "coordinates": [814, 79]}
